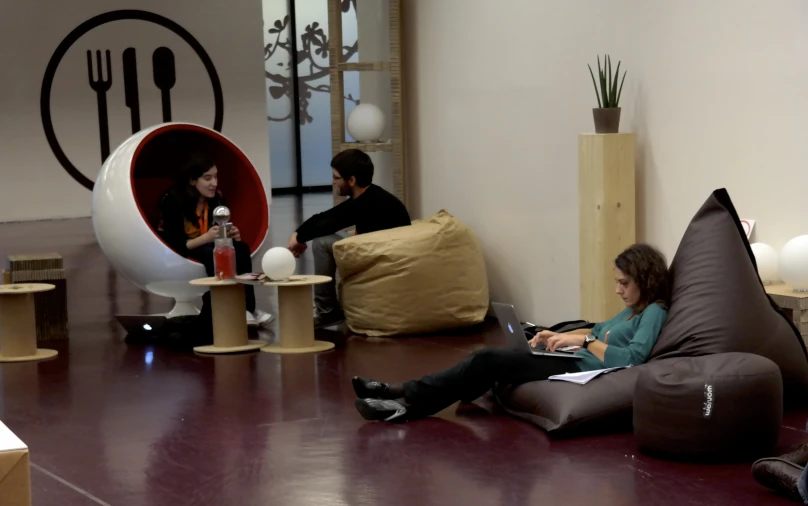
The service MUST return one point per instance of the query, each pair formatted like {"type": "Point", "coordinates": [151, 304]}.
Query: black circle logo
{"type": "Point", "coordinates": [87, 26]}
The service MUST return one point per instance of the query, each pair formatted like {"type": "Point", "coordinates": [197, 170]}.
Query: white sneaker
{"type": "Point", "coordinates": [251, 321]}
{"type": "Point", "coordinates": [263, 318]}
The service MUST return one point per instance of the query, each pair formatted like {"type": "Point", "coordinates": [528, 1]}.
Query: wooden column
{"type": "Point", "coordinates": [606, 193]}
{"type": "Point", "coordinates": [395, 144]}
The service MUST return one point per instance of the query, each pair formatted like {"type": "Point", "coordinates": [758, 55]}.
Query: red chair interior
{"type": "Point", "coordinates": [162, 154]}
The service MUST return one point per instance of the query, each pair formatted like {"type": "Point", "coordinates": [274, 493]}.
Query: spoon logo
{"type": "Point", "coordinates": [102, 69]}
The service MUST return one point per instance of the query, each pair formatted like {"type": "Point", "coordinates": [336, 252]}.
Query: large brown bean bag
{"type": "Point", "coordinates": [718, 306]}
{"type": "Point", "coordinates": [427, 277]}
{"type": "Point", "coordinates": [728, 405]}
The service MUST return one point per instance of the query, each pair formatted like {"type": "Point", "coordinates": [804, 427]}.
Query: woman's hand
{"type": "Point", "coordinates": [234, 233]}
{"type": "Point", "coordinates": [211, 234]}
{"type": "Point", "coordinates": [561, 340]}
{"type": "Point", "coordinates": [541, 337]}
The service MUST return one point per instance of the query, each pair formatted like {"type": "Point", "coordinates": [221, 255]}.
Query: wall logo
{"type": "Point", "coordinates": [101, 67]}
{"type": "Point", "coordinates": [707, 407]}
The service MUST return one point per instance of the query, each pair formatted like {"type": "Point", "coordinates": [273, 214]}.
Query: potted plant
{"type": "Point", "coordinates": [607, 114]}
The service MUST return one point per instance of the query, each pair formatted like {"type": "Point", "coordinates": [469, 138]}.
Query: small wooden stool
{"type": "Point", "coordinates": [18, 323]}
{"type": "Point", "coordinates": [296, 316]}
{"type": "Point", "coordinates": [228, 305]}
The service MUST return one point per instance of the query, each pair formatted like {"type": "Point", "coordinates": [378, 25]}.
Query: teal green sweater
{"type": "Point", "coordinates": [630, 340]}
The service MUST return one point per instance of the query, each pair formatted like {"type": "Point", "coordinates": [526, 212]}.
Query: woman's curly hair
{"type": "Point", "coordinates": [649, 270]}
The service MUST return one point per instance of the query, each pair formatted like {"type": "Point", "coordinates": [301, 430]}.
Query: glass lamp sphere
{"type": "Point", "coordinates": [794, 263]}
{"type": "Point", "coordinates": [278, 264]}
{"type": "Point", "coordinates": [366, 123]}
{"type": "Point", "coordinates": [766, 259]}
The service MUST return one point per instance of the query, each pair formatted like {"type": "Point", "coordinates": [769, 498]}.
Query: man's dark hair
{"type": "Point", "coordinates": [356, 163]}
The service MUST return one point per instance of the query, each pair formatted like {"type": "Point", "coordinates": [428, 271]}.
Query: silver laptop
{"type": "Point", "coordinates": [506, 314]}
{"type": "Point", "coordinates": [141, 324]}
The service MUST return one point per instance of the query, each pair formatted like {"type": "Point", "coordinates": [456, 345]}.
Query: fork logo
{"type": "Point", "coordinates": [102, 65]}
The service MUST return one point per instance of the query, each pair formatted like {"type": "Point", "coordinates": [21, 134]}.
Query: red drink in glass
{"type": "Point", "coordinates": [224, 261]}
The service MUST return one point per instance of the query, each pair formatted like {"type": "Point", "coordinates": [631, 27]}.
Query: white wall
{"type": "Point", "coordinates": [498, 93]}
{"type": "Point", "coordinates": [33, 185]}
{"type": "Point", "coordinates": [722, 102]}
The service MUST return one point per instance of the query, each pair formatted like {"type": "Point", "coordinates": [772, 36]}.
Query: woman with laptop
{"type": "Point", "coordinates": [642, 279]}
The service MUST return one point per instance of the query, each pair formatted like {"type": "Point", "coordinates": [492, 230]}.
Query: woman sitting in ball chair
{"type": "Point", "coordinates": [187, 225]}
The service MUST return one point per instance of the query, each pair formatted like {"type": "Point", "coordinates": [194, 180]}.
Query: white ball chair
{"type": "Point", "coordinates": [126, 206]}
{"type": "Point", "coordinates": [794, 263]}
{"type": "Point", "coordinates": [366, 123]}
{"type": "Point", "coordinates": [278, 264]}
{"type": "Point", "coordinates": [766, 260]}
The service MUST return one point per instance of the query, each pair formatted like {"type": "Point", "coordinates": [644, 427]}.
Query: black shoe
{"type": "Point", "coordinates": [329, 319]}
{"type": "Point", "coordinates": [369, 389]}
{"type": "Point", "coordinates": [381, 410]}
{"type": "Point", "coordinates": [779, 475]}
{"type": "Point", "coordinates": [799, 456]}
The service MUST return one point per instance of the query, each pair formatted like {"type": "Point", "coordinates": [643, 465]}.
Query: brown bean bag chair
{"type": "Point", "coordinates": [728, 405]}
{"type": "Point", "coordinates": [718, 306]}
{"type": "Point", "coordinates": [427, 277]}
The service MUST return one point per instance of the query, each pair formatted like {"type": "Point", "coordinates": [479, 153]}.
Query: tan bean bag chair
{"type": "Point", "coordinates": [427, 277]}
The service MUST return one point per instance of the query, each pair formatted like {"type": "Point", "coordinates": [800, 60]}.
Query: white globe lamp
{"type": "Point", "coordinates": [366, 123]}
{"type": "Point", "coordinates": [278, 264]}
{"type": "Point", "coordinates": [766, 260]}
{"type": "Point", "coordinates": [794, 263]}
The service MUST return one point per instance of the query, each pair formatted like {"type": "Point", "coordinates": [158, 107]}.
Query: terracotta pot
{"type": "Point", "coordinates": [607, 121]}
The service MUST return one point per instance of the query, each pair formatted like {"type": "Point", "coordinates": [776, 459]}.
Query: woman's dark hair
{"type": "Point", "coordinates": [188, 195]}
{"type": "Point", "coordinates": [356, 163]}
{"type": "Point", "coordinates": [649, 270]}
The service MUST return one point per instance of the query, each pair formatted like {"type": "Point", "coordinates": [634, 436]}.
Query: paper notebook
{"type": "Point", "coordinates": [582, 378]}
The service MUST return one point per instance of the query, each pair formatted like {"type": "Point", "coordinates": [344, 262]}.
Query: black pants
{"type": "Point", "coordinates": [477, 374]}
{"type": "Point", "coordinates": [204, 254]}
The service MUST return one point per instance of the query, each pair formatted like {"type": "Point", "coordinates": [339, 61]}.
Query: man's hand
{"type": "Point", "coordinates": [541, 337]}
{"type": "Point", "coordinates": [561, 340]}
{"type": "Point", "coordinates": [295, 247]}
{"type": "Point", "coordinates": [234, 233]}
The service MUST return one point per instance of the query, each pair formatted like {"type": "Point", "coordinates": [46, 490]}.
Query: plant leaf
{"type": "Point", "coordinates": [608, 65]}
{"type": "Point", "coordinates": [621, 86]}
{"type": "Point", "coordinates": [614, 85]}
{"type": "Point", "coordinates": [276, 92]}
{"type": "Point", "coordinates": [594, 84]}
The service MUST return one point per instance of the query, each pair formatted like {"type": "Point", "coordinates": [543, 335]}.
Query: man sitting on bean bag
{"type": "Point", "coordinates": [369, 208]}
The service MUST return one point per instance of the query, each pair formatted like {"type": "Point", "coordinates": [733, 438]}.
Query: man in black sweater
{"type": "Point", "coordinates": [368, 207]}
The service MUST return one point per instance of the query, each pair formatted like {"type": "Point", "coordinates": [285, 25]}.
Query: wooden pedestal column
{"type": "Point", "coordinates": [606, 192]}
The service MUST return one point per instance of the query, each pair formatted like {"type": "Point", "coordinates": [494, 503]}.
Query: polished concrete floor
{"type": "Point", "coordinates": [111, 424]}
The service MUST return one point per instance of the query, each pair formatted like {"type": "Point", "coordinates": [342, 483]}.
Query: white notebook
{"type": "Point", "coordinates": [582, 378]}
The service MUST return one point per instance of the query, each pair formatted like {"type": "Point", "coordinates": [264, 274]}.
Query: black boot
{"type": "Point", "coordinates": [779, 475]}
{"type": "Point", "coordinates": [369, 389]}
{"type": "Point", "coordinates": [799, 456]}
{"type": "Point", "coordinates": [381, 410]}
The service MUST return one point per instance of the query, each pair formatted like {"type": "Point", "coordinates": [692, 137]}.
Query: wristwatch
{"type": "Point", "coordinates": [589, 338]}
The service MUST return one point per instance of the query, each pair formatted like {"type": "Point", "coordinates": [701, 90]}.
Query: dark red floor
{"type": "Point", "coordinates": [116, 425]}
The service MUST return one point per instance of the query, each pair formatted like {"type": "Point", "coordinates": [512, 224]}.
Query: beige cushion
{"type": "Point", "coordinates": [427, 277]}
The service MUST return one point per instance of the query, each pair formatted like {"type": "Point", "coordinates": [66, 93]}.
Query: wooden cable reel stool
{"type": "Point", "coordinates": [18, 323]}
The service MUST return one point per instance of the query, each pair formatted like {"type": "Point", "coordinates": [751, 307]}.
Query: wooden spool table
{"type": "Point", "coordinates": [296, 317]}
{"type": "Point", "coordinates": [228, 306]}
{"type": "Point", "coordinates": [18, 323]}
